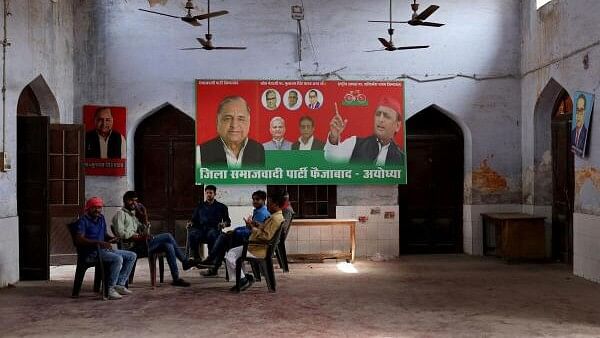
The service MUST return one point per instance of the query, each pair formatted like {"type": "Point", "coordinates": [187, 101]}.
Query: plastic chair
{"type": "Point", "coordinates": [280, 251]}
{"type": "Point", "coordinates": [260, 265]}
{"type": "Point", "coordinates": [100, 278]}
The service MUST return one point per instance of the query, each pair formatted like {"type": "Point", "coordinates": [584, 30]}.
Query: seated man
{"type": "Point", "coordinates": [263, 232]}
{"type": "Point", "coordinates": [90, 231]}
{"type": "Point", "coordinates": [236, 237]}
{"type": "Point", "coordinates": [206, 221]}
{"type": "Point", "coordinates": [128, 227]}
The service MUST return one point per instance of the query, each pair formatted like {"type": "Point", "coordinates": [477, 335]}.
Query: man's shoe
{"type": "Point", "coordinates": [113, 294]}
{"type": "Point", "coordinates": [207, 263]}
{"type": "Point", "coordinates": [210, 273]}
{"type": "Point", "coordinates": [187, 264]}
{"type": "Point", "coordinates": [122, 290]}
{"type": "Point", "coordinates": [180, 282]}
{"type": "Point", "coordinates": [246, 283]}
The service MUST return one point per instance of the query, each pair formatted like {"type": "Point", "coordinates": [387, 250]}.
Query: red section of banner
{"type": "Point", "coordinates": [356, 102]}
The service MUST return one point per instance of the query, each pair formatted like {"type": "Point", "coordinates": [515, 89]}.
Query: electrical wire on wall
{"type": "Point", "coordinates": [5, 45]}
{"type": "Point", "coordinates": [312, 45]}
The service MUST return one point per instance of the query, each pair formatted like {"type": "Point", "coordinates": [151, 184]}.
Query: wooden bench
{"type": "Point", "coordinates": [299, 222]}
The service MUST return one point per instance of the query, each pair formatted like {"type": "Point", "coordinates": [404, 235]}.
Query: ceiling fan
{"type": "Point", "coordinates": [389, 44]}
{"type": "Point", "coordinates": [193, 20]}
{"type": "Point", "coordinates": [207, 43]}
{"type": "Point", "coordinates": [417, 19]}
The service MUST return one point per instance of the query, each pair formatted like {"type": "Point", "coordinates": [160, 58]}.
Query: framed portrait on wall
{"type": "Point", "coordinates": [582, 115]}
{"type": "Point", "coordinates": [105, 140]}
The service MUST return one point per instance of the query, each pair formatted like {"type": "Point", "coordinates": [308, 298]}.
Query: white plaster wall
{"type": "Point", "coordinates": [133, 59]}
{"type": "Point", "coordinates": [141, 66]}
{"type": "Point", "coordinates": [555, 41]}
{"type": "Point", "coordinates": [41, 37]}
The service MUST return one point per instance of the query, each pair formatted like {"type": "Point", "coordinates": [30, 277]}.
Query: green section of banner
{"type": "Point", "coordinates": [302, 167]}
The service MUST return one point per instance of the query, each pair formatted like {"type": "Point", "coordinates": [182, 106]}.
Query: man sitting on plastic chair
{"type": "Point", "coordinates": [128, 227]}
{"type": "Point", "coordinates": [235, 237]}
{"type": "Point", "coordinates": [90, 231]}
{"type": "Point", "coordinates": [259, 232]}
{"type": "Point", "coordinates": [207, 220]}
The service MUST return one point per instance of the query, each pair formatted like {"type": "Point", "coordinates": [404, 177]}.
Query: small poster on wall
{"type": "Point", "coordinates": [582, 115]}
{"type": "Point", "coordinates": [105, 140]}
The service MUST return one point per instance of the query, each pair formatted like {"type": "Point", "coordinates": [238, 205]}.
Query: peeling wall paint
{"type": "Point", "coordinates": [587, 190]}
{"type": "Point", "coordinates": [157, 2]}
{"type": "Point", "coordinates": [490, 186]}
{"type": "Point", "coordinates": [486, 180]}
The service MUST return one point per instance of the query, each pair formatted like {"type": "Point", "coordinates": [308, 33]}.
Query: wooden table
{"type": "Point", "coordinates": [517, 235]}
{"type": "Point", "coordinates": [332, 222]}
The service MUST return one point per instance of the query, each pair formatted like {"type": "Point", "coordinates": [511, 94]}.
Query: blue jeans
{"type": "Point", "coordinates": [202, 235]}
{"type": "Point", "coordinates": [119, 264]}
{"type": "Point", "coordinates": [166, 243]}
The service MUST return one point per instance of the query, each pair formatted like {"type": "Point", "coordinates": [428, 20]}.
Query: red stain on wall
{"type": "Point", "coordinates": [487, 180]}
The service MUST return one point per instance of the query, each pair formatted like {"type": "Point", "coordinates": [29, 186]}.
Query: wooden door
{"type": "Point", "coordinates": [431, 202]}
{"type": "Point", "coordinates": [66, 187]}
{"type": "Point", "coordinates": [563, 181]}
{"type": "Point", "coordinates": [32, 197]}
{"type": "Point", "coordinates": [164, 170]}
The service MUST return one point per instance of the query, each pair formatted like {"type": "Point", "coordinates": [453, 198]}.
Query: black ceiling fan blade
{"type": "Point", "coordinates": [230, 48]}
{"type": "Point", "coordinates": [430, 24]}
{"type": "Point", "coordinates": [159, 13]}
{"type": "Point", "coordinates": [191, 48]}
{"type": "Point", "coordinates": [388, 21]}
{"type": "Point", "coordinates": [384, 42]}
{"type": "Point", "coordinates": [374, 50]}
{"type": "Point", "coordinates": [411, 47]}
{"type": "Point", "coordinates": [427, 12]}
{"type": "Point", "coordinates": [210, 15]}
{"type": "Point", "coordinates": [191, 20]}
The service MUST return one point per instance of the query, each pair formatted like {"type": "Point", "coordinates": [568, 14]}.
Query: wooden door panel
{"type": "Point", "coordinates": [164, 170]}
{"type": "Point", "coordinates": [32, 199]}
{"type": "Point", "coordinates": [431, 201]}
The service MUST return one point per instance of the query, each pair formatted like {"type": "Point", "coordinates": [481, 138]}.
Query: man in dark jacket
{"type": "Point", "coordinates": [378, 149]}
{"type": "Point", "coordinates": [207, 219]}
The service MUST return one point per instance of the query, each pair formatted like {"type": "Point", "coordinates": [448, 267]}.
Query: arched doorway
{"type": "Point", "coordinates": [32, 187]}
{"type": "Point", "coordinates": [562, 179]}
{"type": "Point", "coordinates": [432, 200]}
{"type": "Point", "coordinates": [164, 170]}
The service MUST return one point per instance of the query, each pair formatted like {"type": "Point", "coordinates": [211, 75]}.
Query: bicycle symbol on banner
{"type": "Point", "coordinates": [355, 98]}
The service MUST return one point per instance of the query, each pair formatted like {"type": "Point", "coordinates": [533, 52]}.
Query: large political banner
{"type": "Point", "coordinates": [300, 132]}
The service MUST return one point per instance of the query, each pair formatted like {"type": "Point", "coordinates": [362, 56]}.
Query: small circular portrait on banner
{"type": "Point", "coordinates": [292, 99]}
{"type": "Point", "coordinates": [313, 99]}
{"type": "Point", "coordinates": [271, 99]}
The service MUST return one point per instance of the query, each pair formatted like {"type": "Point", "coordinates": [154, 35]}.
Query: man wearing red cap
{"type": "Point", "coordinates": [91, 232]}
{"type": "Point", "coordinates": [378, 149]}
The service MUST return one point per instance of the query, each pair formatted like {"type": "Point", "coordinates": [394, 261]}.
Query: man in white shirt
{"type": "Point", "coordinates": [232, 147]}
{"type": "Point", "coordinates": [277, 129]}
{"type": "Point", "coordinates": [378, 149]}
{"type": "Point", "coordinates": [307, 140]}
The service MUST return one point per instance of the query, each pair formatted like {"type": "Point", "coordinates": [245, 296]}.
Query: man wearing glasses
{"type": "Point", "coordinates": [271, 99]}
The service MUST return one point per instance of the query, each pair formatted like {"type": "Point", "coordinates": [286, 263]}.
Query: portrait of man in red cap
{"type": "Point", "coordinates": [379, 148]}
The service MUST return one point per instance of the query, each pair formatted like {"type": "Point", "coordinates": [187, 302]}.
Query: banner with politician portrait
{"type": "Point", "coordinates": [300, 132]}
{"type": "Point", "coordinates": [582, 115]}
{"type": "Point", "coordinates": [105, 140]}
